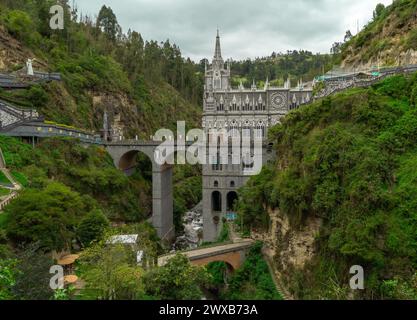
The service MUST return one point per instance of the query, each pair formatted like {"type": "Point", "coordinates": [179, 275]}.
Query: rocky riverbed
{"type": "Point", "coordinates": [193, 230]}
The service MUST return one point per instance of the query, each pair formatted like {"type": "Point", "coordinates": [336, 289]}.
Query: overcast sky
{"type": "Point", "coordinates": [248, 28]}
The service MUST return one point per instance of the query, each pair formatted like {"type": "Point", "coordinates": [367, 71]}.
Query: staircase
{"type": "Point", "coordinates": [14, 188]}
{"type": "Point", "coordinates": [12, 116]}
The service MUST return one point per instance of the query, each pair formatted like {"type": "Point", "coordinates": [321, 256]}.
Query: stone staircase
{"type": "Point", "coordinates": [12, 116]}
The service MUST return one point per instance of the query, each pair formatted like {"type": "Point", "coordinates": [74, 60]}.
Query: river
{"type": "Point", "coordinates": [193, 230]}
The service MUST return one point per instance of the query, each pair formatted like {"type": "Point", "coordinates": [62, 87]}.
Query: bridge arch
{"type": "Point", "coordinates": [233, 254]}
{"type": "Point", "coordinates": [124, 156]}
{"type": "Point", "coordinates": [132, 159]}
{"type": "Point", "coordinates": [229, 267]}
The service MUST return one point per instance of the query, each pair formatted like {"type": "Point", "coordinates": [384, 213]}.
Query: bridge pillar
{"type": "Point", "coordinates": [162, 190]}
{"type": "Point", "coordinates": [163, 202]}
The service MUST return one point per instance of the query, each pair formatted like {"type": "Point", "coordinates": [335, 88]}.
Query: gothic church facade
{"type": "Point", "coordinates": [241, 111]}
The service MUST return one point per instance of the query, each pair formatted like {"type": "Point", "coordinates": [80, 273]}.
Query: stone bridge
{"type": "Point", "coordinates": [124, 155]}
{"type": "Point", "coordinates": [233, 254]}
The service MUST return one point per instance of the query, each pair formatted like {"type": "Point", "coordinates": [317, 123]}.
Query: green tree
{"type": "Point", "coordinates": [111, 273]}
{"type": "Point", "coordinates": [47, 216]}
{"type": "Point", "coordinates": [32, 280]}
{"type": "Point", "coordinates": [8, 273]}
{"type": "Point", "coordinates": [107, 22]}
{"type": "Point", "coordinates": [92, 227]}
{"type": "Point", "coordinates": [177, 280]}
{"type": "Point", "coordinates": [379, 9]}
{"type": "Point", "coordinates": [19, 24]}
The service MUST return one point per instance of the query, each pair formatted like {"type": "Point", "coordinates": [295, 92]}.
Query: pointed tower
{"type": "Point", "coordinates": [217, 78]}
{"type": "Point", "coordinates": [218, 75]}
{"type": "Point", "coordinates": [218, 59]}
{"type": "Point", "coordinates": [254, 87]}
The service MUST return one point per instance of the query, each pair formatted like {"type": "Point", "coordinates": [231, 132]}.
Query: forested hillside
{"type": "Point", "coordinates": [102, 69]}
{"type": "Point", "coordinates": [389, 39]}
{"type": "Point", "coordinates": [348, 161]}
{"type": "Point", "coordinates": [279, 66]}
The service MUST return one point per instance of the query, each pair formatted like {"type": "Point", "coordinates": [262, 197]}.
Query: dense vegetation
{"type": "Point", "coordinates": [349, 160]}
{"type": "Point", "coordinates": [87, 176]}
{"type": "Point", "coordinates": [279, 66]}
{"type": "Point", "coordinates": [102, 68]}
{"type": "Point", "coordinates": [110, 272]}
{"type": "Point", "coordinates": [68, 186]}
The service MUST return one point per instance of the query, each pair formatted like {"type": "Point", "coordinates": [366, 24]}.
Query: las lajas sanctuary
{"type": "Point", "coordinates": [241, 111]}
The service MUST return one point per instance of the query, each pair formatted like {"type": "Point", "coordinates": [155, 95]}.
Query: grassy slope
{"type": "Point", "coordinates": [393, 32]}
{"type": "Point", "coordinates": [350, 160]}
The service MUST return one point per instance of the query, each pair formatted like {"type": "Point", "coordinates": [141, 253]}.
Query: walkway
{"type": "Point", "coordinates": [15, 188]}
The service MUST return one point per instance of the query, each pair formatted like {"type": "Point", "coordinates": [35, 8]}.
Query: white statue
{"type": "Point", "coordinates": [29, 67]}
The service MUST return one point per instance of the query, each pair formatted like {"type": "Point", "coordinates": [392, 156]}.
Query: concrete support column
{"type": "Point", "coordinates": [163, 202]}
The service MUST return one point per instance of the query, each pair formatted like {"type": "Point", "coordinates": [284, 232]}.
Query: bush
{"type": "Point", "coordinates": [47, 216]}
{"type": "Point", "coordinates": [19, 24]}
{"type": "Point", "coordinates": [177, 280]}
{"type": "Point", "coordinates": [92, 227]}
{"type": "Point", "coordinates": [38, 96]}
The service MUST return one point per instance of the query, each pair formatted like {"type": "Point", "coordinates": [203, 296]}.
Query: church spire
{"type": "Point", "coordinates": [218, 51]}
{"type": "Point", "coordinates": [218, 59]}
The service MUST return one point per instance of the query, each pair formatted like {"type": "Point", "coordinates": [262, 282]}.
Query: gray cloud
{"type": "Point", "coordinates": [249, 28]}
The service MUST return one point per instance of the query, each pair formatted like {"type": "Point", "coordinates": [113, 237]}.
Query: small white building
{"type": "Point", "coordinates": [129, 239]}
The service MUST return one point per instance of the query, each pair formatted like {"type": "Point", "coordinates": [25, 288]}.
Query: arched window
{"type": "Point", "coordinates": [232, 184]}
{"type": "Point", "coordinates": [260, 130]}
{"type": "Point", "coordinates": [246, 131]}
{"type": "Point", "coordinates": [234, 129]}
{"type": "Point", "coordinates": [216, 201]}
{"type": "Point", "coordinates": [216, 184]}
{"type": "Point", "coordinates": [231, 201]}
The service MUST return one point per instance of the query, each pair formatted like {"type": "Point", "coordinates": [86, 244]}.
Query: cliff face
{"type": "Point", "coordinates": [390, 39]}
{"type": "Point", "coordinates": [12, 52]}
{"type": "Point", "coordinates": [342, 190]}
{"type": "Point", "coordinates": [289, 249]}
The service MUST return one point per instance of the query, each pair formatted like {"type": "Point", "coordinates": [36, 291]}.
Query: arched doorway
{"type": "Point", "coordinates": [232, 197]}
{"type": "Point", "coordinates": [216, 201]}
